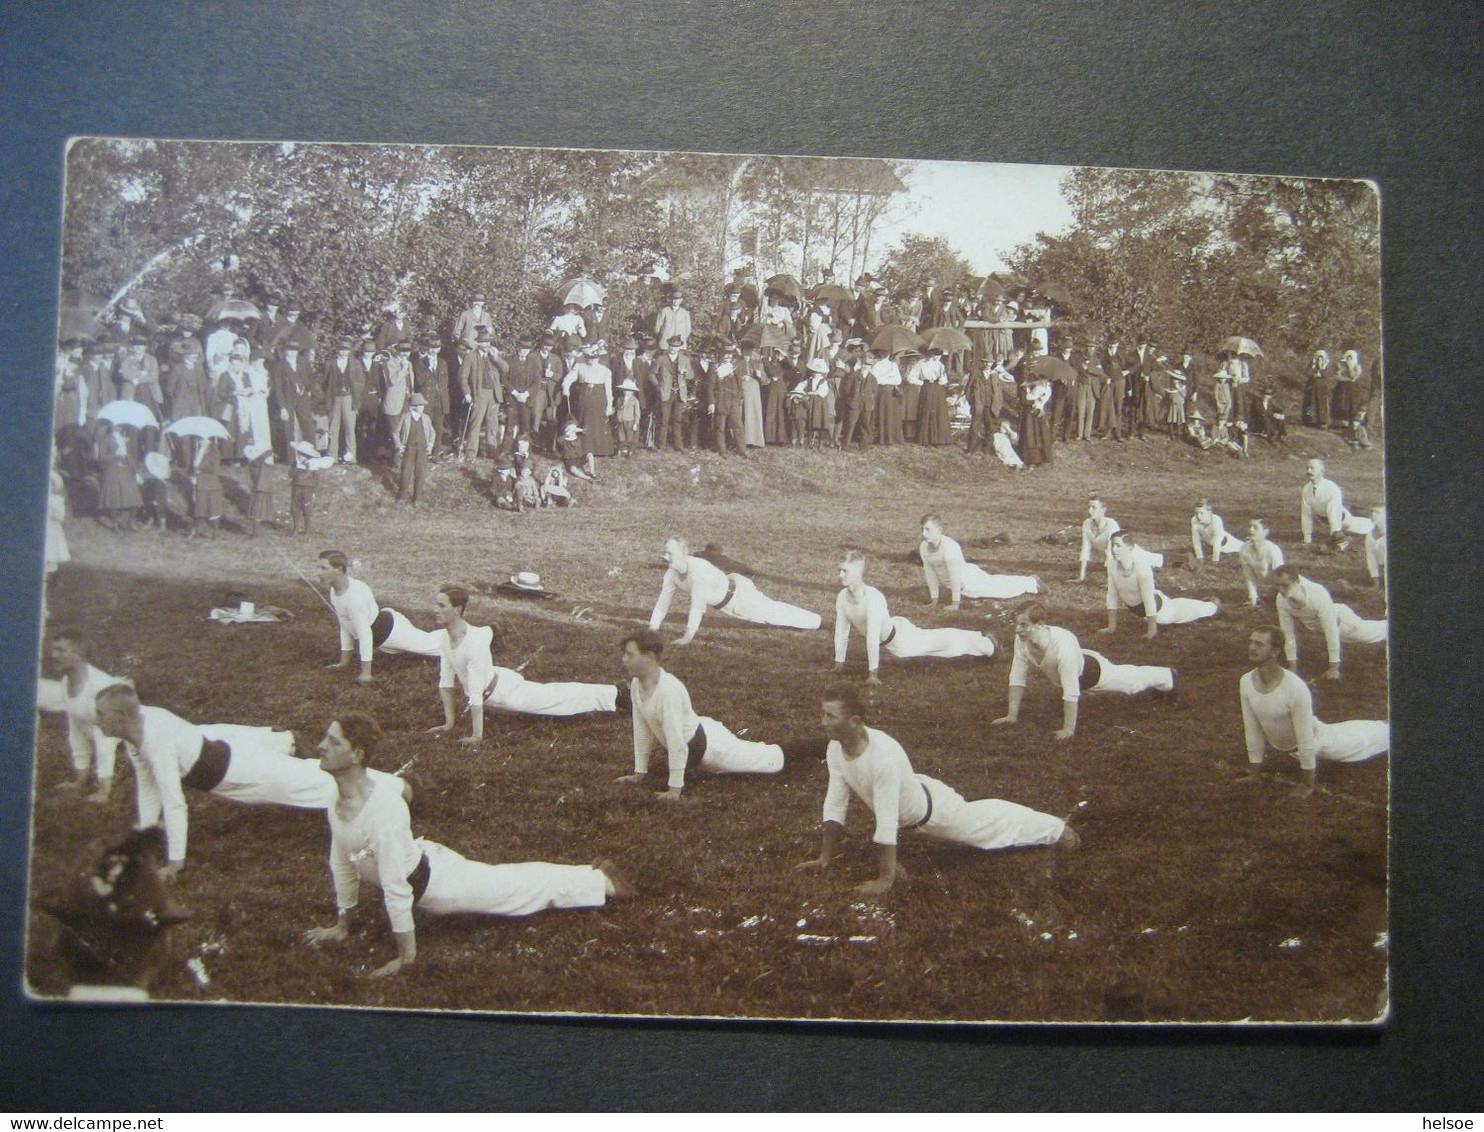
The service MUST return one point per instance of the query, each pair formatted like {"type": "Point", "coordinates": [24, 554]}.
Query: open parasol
{"type": "Point", "coordinates": [206, 428]}
{"type": "Point", "coordinates": [238, 309]}
{"type": "Point", "coordinates": [131, 413]}
{"type": "Point", "coordinates": [584, 292]}
{"type": "Point", "coordinates": [1244, 347]}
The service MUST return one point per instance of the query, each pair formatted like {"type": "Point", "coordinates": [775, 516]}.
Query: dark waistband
{"type": "Point", "coordinates": [381, 628]}
{"type": "Point", "coordinates": [731, 592]}
{"type": "Point", "coordinates": [418, 878]}
{"type": "Point", "coordinates": [1092, 672]}
{"type": "Point", "coordinates": [890, 633]}
{"type": "Point", "coordinates": [927, 817]}
{"type": "Point", "coordinates": [695, 750]}
{"type": "Point", "coordinates": [211, 766]}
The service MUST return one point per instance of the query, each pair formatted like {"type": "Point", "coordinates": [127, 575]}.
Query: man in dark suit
{"type": "Point", "coordinates": [343, 383]}
{"type": "Point", "coordinates": [674, 374]}
{"type": "Point", "coordinates": [480, 389]}
{"type": "Point", "coordinates": [266, 329]}
{"type": "Point", "coordinates": [724, 402]}
{"type": "Point", "coordinates": [867, 316]}
{"type": "Point", "coordinates": [857, 407]}
{"type": "Point", "coordinates": [1064, 397]}
{"type": "Point", "coordinates": [430, 378]}
{"type": "Point", "coordinates": [1117, 365]}
{"type": "Point", "coordinates": [296, 393]}
{"type": "Point", "coordinates": [392, 330]}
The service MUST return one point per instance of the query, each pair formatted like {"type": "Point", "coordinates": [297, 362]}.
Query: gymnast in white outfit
{"type": "Point", "coordinates": [74, 694]}
{"type": "Point", "coordinates": [241, 764]}
{"type": "Point", "coordinates": [944, 566]}
{"type": "Point", "coordinates": [664, 718]}
{"type": "Point", "coordinates": [364, 626]}
{"type": "Point", "coordinates": [1057, 654]}
{"type": "Point", "coordinates": [733, 594]}
{"type": "Point", "coordinates": [863, 608]}
{"type": "Point", "coordinates": [871, 765]}
{"type": "Point", "coordinates": [1278, 712]}
{"type": "Point", "coordinates": [371, 842]}
{"type": "Point", "coordinates": [466, 662]}
{"type": "Point", "coordinates": [1131, 586]}
{"type": "Point", "coordinates": [1207, 531]}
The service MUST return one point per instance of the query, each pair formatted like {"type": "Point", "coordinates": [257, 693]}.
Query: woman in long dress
{"type": "Point", "coordinates": [777, 322]}
{"type": "Point", "coordinates": [1035, 423]}
{"type": "Point", "coordinates": [593, 392]}
{"type": "Point", "coordinates": [911, 392]}
{"type": "Point", "coordinates": [118, 490]}
{"type": "Point", "coordinates": [933, 424]}
{"type": "Point", "coordinates": [753, 379]}
{"type": "Point", "coordinates": [816, 337]}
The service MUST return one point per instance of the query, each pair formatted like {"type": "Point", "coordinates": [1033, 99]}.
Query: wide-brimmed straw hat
{"type": "Point", "coordinates": [527, 580]}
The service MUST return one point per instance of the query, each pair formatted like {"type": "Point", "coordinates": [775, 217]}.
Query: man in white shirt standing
{"type": "Point", "coordinates": [873, 766]}
{"type": "Point", "coordinates": [1057, 653]}
{"type": "Point", "coordinates": [733, 594]}
{"type": "Point", "coordinates": [663, 716]}
{"type": "Point", "coordinates": [1310, 604]}
{"type": "Point", "coordinates": [1278, 711]}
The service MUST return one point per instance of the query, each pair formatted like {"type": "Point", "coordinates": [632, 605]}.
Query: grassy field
{"type": "Point", "coordinates": [1193, 898]}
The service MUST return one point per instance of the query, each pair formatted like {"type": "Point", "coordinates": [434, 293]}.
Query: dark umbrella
{"type": "Point", "coordinates": [992, 289]}
{"type": "Point", "coordinates": [1055, 292]}
{"type": "Point", "coordinates": [893, 339]}
{"type": "Point", "coordinates": [831, 293]}
{"type": "Point", "coordinates": [1051, 368]}
{"type": "Point", "coordinates": [785, 285]}
{"type": "Point", "coordinates": [752, 337]}
{"type": "Point", "coordinates": [239, 309]}
{"type": "Point", "coordinates": [947, 338]}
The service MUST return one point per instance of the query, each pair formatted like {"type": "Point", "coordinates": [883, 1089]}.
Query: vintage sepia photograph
{"type": "Point", "coordinates": [705, 585]}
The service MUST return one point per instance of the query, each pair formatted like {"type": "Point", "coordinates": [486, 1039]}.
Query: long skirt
{"type": "Point", "coordinates": [889, 414]}
{"type": "Point", "coordinates": [118, 490]}
{"type": "Point", "coordinates": [1035, 438]}
{"type": "Point", "coordinates": [775, 414]}
{"type": "Point", "coordinates": [911, 395]}
{"type": "Point", "coordinates": [753, 434]}
{"type": "Point", "coordinates": [933, 425]}
{"type": "Point", "coordinates": [591, 411]}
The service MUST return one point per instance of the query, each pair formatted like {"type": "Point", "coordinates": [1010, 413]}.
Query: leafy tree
{"type": "Point", "coordinates": [1188, 259]}
{"type": "Point", "coordinates": [917, 259]}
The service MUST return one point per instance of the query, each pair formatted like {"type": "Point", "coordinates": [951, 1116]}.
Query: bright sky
{"type": "Point", "coordinates": [980, 209]}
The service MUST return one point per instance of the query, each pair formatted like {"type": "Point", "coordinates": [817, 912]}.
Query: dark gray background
{"type": "Point", "coordinates": [1390, 92]}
